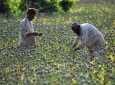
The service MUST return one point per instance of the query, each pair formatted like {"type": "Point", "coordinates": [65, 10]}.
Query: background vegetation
{"type": "Point", "coordinates": [16, 6]}
{"type": "Point", "coordinates": [52, 62]}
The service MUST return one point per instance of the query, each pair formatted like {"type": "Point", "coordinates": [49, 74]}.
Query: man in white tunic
{"type": "Point", "coordinates": [27, 32]}
{"type": "Point", "coordinates": [89, 36]}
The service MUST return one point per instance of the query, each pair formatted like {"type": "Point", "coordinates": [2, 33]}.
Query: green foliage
{"type": "Point", "coordinates": [4, 7]}
{"type": "Point", "coordinates": [66, 4]}
{"type": "Point", "coordinates": [14, 6]}
{"type": "Point", "coordinates": [54, 5]}
{"type": "Point", "coordinates": [23, 6]}
{"type": "Point", "coordinates": [48, 6]}
{"type": "Point", "coordinates": [10, 6]}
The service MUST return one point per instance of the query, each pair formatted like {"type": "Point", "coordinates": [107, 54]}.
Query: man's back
{"type": "Point", "coordinates": [90, 30]}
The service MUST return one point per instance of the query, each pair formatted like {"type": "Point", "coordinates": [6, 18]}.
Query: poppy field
{"type": "Point", "coordinates": [53, 62]}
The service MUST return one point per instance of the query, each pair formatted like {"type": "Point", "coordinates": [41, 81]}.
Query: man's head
{"type": "Point", "coordinates": [31, 12]}
{"type": "Point", "coordinates": [76, 28]}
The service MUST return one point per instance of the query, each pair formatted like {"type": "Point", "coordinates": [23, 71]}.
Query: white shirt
{"type": "Point", "coordinates": [87, 36]}
{"type": "Point", "coordinates": [26, 26]}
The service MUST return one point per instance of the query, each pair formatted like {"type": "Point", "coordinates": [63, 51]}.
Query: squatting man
{"type": "Point", "coordinates": [27, 32]}
{"type": "Point", "coordinates": [89, 36]}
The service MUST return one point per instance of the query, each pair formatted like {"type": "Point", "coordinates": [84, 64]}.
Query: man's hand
{"type": "Point", "coordinates": [40, 33]}
{"type": "Point", "coordinates": [35, 34]}
{"type": "Point", "coordinates": [29, 34]}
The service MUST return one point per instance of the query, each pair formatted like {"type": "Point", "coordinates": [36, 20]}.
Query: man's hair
{"type": "Point", "coordinates": [31, 11]}
{"type": "Point", "coordinates": [74, 25]}
{"type": "Point", "coordinates": [76, 28]}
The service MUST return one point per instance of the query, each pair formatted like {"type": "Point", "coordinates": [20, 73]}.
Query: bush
{"type": "Point", "coordinates": [14, 7]}
{"type": "Point", "coordinates": [66, 4]}
{"type": "Point", "coordinates": [23, 6]}
{"type": "Point", "coordinates": [49, 6]}
{"type": "Point", "coordinates": [9, 6]}
{"type": "Point", "coordinates": [4, 7]}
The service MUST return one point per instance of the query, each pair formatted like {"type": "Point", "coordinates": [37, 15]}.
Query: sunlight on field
{"type": "Point", "coordinates": [112, 58]}
{"type": "Point", "coordinates": [114, 23]}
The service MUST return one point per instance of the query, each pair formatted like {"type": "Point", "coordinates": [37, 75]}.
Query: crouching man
{"type": "Point", "coordinates": [90, 37]}
{"type": "Point", "coordinates": [27, 32]}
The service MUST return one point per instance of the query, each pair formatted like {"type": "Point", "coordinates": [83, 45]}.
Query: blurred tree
{"type": "Point", "coordinates": [47, 5]}
{"type": "Point", "coordinates": [9, 6]}
{"type": "Point", "coordinates": [24, 4]}
{"type": "Point", "coordinates": [4, 7]}
{"type": "Point", "coordinates": [14, 6]}
{"type": "Point", "coordinates": [66, 4]}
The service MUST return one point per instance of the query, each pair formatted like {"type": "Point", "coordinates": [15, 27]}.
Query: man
{"type": "Point", "coordinates": [89, 36]}
{"type": "Point", "coordinates": [27, 32]}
